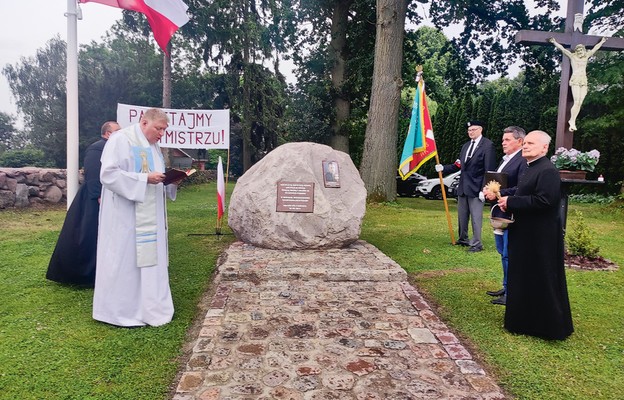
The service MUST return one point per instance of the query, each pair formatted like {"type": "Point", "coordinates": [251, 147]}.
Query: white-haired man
{"type": "Point", "coordinates": [537, 294]}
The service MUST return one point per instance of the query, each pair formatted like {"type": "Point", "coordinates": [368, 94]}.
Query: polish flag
{"type": "Point", "coordinates": [220, 190]}
{"type": "Point", "coordinates": [164, 16]}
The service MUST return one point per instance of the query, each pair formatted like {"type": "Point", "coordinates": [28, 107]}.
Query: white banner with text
{"type": "Point", "coordinates": [188, 129]}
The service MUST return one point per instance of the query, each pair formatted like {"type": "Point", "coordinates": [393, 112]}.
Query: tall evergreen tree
{"type": "Point", "coordinates": [123, 69]}
{"type": "Point", "coordinates": [38, 85]}
{"type": "Point", "coordinates": [496, 118]}
{"type": "Point", "coordinates": [238, 37]}
{"type": "Point", "coordinates": [443, 69]}
{"type": "Point", "coordinates": [8, 134]}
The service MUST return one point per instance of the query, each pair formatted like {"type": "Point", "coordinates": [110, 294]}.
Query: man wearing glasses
{"type": "Point", "coordinates": [475, 158]}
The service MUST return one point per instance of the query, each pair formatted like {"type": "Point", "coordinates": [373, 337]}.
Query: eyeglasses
{"type": "Point", "coordinates": [474, 129]}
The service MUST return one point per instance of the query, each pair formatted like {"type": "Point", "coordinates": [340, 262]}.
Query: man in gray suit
{"type": "Point", "coordinates": [475, 158]}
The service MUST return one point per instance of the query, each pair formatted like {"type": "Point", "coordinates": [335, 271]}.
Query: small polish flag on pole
{"type": "Point", "coordinates": [220, 195]}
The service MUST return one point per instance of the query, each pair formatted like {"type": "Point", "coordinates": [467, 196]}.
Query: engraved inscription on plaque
{"type": "Point", "coordinates": [295, 197]}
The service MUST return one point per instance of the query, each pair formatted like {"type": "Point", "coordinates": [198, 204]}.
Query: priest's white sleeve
{"type": "Point", "coordinates": [171, 191]}
{"type": "Point", "coordinates": [117, 173]}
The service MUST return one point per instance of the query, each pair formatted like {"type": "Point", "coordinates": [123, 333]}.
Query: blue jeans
{"type": "Point", "coordinates": [501, 247]}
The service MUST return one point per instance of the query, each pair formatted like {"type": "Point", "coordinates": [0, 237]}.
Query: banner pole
{"type": "Point", "coordinates": [227, 168]}
{"type": "Point", "coordinates": [446, 209]}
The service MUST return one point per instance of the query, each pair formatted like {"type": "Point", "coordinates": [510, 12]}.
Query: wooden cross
{"type": "Point", "coordinates": [570, 38]}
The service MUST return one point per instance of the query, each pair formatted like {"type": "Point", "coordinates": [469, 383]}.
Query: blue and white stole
{"type": "Point", "coordinates": [145, 212]}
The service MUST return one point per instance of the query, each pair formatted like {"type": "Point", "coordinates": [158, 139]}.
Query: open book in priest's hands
{"type": "Point", "coordinates": [174, 175]}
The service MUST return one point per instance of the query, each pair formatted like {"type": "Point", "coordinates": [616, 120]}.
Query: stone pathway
{"type": "Point", "coordinates": [324, 324]}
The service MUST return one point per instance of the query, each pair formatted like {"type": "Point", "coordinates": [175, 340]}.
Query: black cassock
{"type": "Point", "coordinates": [537, 294]}
{"type": "Point", "coordinates": [73, 259]}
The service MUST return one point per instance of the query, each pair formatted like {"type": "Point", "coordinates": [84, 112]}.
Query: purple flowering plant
{"type": "Point", "coordinates": [572, 159]}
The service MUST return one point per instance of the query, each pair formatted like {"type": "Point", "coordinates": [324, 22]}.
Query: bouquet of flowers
{"type": "Point", "coordinates": [573, 159]}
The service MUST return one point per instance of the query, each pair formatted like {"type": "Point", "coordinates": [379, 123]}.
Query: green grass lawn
{"type": "Point", "coordinates": [50, 348]}
{"type": "Point", "coordinates": [589, 365]}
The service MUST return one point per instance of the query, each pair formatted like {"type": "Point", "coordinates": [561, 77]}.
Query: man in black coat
{"type": "Point", "coordinates": [475, 158]}
{"type": "Point", "coordinates": [512, 166]}
{"type": "Point", "coordinates": [73, 259]}
{"type": "Point", "coordinates": [537, 294]}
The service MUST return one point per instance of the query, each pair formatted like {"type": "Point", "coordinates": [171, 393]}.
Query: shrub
{"type": "Point", "coordinates": [580, 239]}
{"type": "Point", "coordinates": [197, 178]}
{"type": "Point", "coordinates": [23, 158]}
{"type": "Point", "coordinates": [591, 198]}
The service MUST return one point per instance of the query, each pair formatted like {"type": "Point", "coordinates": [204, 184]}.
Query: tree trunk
{"type": "Point", "coordinates": [337, 48]}
{"type": "Point", "coordinates": [379, 159]}
{"type": "Point", "coordinates": [166, 96]}
{"type": "Point", "coordinates": [246, 122]}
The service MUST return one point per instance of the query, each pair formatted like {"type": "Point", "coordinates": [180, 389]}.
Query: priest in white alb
{"type": "Point", "coordinates": [132, 277]}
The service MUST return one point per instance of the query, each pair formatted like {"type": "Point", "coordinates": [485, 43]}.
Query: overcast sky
{"type": "Point", "coordinates": [28, 24]}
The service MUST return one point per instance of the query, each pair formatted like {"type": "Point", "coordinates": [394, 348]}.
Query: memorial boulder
{"type": "Point", "coordinates": [300, 196]}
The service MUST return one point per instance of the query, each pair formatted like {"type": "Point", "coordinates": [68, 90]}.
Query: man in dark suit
{"type": "Point", "coordinates": [475, 158]}
{"type": "Point", "coordinates": [513, 166]}
{"type": "Point", "coordinates": [537, 298]}
{"type": "Point", "coordinates": [73, 259]}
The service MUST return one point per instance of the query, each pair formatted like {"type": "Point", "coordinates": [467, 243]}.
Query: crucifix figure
{"type": "Point", "coordinates": [573, 36]}
{"type": "Point", "coordinates": [578, 81]}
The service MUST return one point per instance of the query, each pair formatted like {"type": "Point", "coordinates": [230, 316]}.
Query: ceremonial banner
{"type": "Point", "coordinates": [419, 144]}
{"type": "Point", "coordinates": [188, 129]}
{"type": "Point", "coordinates": [164, 16]}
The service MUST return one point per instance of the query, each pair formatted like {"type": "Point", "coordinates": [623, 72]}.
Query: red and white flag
{"type": "Point", "coordinates": [220, 190]}
{"type": "Point", "coordinates": [164, 16]}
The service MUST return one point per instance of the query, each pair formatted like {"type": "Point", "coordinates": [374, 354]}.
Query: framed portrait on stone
{"type": "Point", "coordinates": [331, 174]}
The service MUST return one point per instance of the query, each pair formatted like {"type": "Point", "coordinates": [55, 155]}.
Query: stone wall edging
{"type": "Point", "coordinates": [32, 186]}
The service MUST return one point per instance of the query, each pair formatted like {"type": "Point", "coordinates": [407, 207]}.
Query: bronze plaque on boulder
{"type": "Point", "coordinates": [295, 197]}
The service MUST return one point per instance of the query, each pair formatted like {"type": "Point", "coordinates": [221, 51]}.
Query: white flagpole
{"type": "Point", "coordinates": [72, 100]}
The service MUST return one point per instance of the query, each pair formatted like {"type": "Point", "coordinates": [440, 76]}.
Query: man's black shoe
{"type": "Point", "coordinates": [500, 300]}
{"type": "Point", "coordinates": [460, 243]}
{"type": "Point", "coordinates": [474, 249]}
{"type": "Point", "coordinates": [496, 293]}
